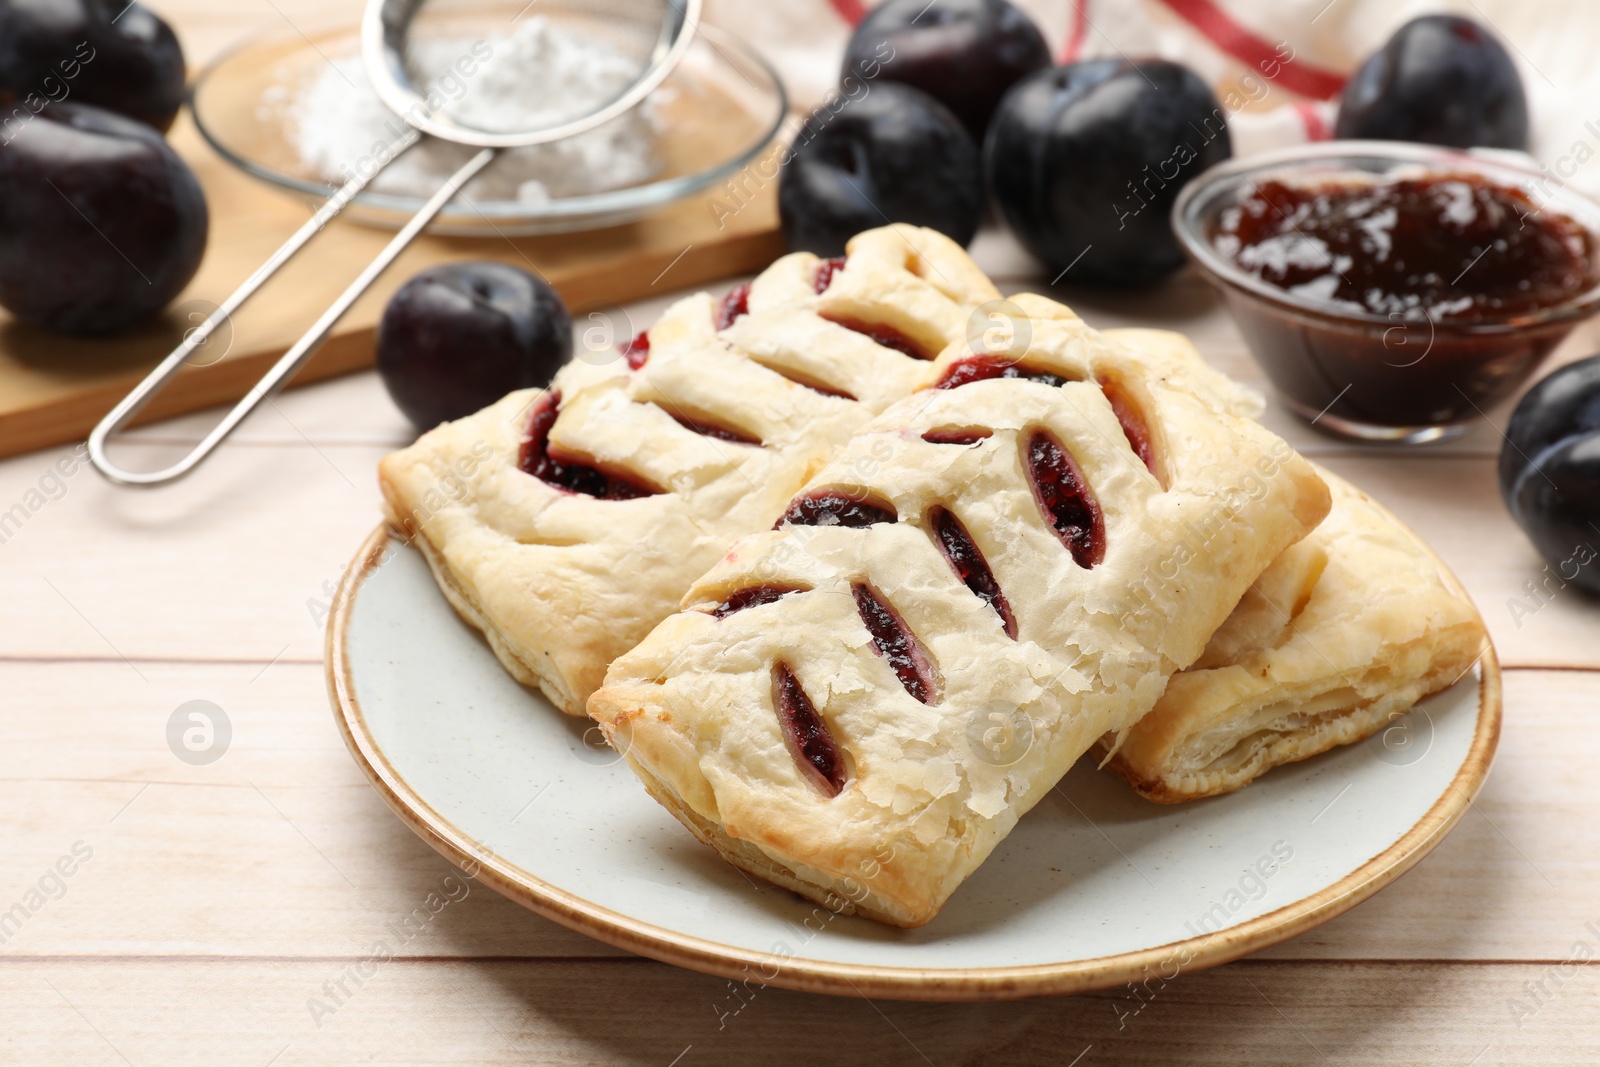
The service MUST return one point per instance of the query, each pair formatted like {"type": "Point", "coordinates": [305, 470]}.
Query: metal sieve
{"type": "Point", "coordinates": [401, 45]}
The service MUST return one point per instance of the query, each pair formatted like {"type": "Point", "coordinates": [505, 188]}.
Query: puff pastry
{"type": "Point", "coordinates": [1056, 525]}
{"type": "Point", "coordinates": [1340, 636]}
{"type": "Point", "coordinates": [565, 524]}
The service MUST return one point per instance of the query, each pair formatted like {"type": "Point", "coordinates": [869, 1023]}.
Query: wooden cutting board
{"type": "Point", "coordinates": [53, 389]}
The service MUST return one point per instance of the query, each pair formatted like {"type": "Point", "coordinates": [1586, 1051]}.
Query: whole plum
{"type": "Point", "coordinates": [1086, 160]}
{"type": "Point", "coordinates": [1550, 470]}
{"type": "Point", "coordinates": [1441, 79]}
{"type": "Point", "coordinates": [892, 154]}
{"type": "Point", "coordinates": [458, 337]}
{"type": "Point", "coordinates": [963, 53]}
{"type": "Point", "coordinates": [111, 53]}
{"type": "Point", "coordinates": [101, 224]}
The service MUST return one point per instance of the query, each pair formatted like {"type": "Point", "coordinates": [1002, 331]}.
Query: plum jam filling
{"type": "Point", "coordinates": [734, 306]}
{"type": "Point", "coordinates": [706, 428]}
{"type": "Point", "coordinates": [1132, 419]}
{"type": "Point", "coordinates": [969, 564]}
{"type": "Point", "coordinates": [1409, 249]}
{"type": "Point", "coordinates": [896, 643]}
{"type": "Point", "coordinates": [983, 368]}
{"type": "Point", "coordinates": [637, 350]}
{"type": "Point", "coordinates": [807, 735]}
{"type": "Point", "coordinates": [887, 336]}
{"type": "Point", "coordinates": [1064, 497]}
{"type": "Point", "coordinates": [752, 597]}
{"type": "Point", "coordinates": [825, 272]}
{"type": "Point", "coordinates": [956, 437]}
{"type": "Point", "coordinates": [833, 508]}
{"type": "Point", "coordinates": [538, 459]}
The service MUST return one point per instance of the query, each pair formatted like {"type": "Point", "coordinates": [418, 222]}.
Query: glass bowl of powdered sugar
{"type": "Point", "coordinates": [297, 111]}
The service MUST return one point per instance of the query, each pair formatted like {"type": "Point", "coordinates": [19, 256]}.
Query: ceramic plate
{"type": "Point", "coordinates": [1092, 888]}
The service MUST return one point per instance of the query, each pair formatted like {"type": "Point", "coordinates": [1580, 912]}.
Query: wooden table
{"type": "Point", "coordinates": [208, 904]}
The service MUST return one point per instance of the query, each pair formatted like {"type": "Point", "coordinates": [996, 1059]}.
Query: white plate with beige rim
{"type": "Point", "coordinates": [1095, 887]}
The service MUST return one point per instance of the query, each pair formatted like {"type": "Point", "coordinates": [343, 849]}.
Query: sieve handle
{"type": "Point", "coordinates": [291, 360]}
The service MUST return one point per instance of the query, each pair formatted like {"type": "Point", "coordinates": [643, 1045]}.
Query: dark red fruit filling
{"type": "Point", "coordinates": [829, 508]}
{"type": "Point", "coordinates": [813, 747]}
{"type": "Point", "coordinates": [734, 306]}
{"type": "Point", "coordinates": [717, 430]}
{"type": "Point", "coordinates": [887, 336]}
{"type": "Point", "coordinates": [982, 368]}
{"type": "Point", "coordinates": [955, 437]}
{"type": "Point", "coordinates": [1064, 495]}
{"type": "Point", "coordinates": [825, 272]}
{"type": "Point", "coordinates": [969, 564]}
{"type": "Point", "coordinates": [570, 474]}
{"type": "Point", "coordinates": [896, 643]}
{"type": "Point", "coordinates": [637, 350]}
{"type": "Point", "coordinates": [1132, 419]}
{"type": "Point", "coordinates": [751, 597]}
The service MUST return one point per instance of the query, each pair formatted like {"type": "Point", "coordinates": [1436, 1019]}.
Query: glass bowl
{"type": "Point", "coordinates": [715, 114]}
{"type": "Point", "coordinates": [1360, 374]}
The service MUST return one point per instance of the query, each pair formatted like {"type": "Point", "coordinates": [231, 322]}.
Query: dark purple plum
{"type": "Point", "coordinates": [111, 53]}
{"type": "Point", "coordinates": [101, 224]}
{"type": "Point", "coordinates": [1441, 79]}
{"type": "Point", "coordinates": [458, 337]}
{"type": "Point", "coordinates": [1550, 470]}
{"type": "Point", "coordinates": [1085, 161]}
{"type": "Point", "coordinates": [963, 53]}
{"type": "Point", "coordinates": [891, 154]}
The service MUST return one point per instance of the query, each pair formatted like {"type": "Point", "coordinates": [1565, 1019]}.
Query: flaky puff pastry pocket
{"type": "Point", "coordinates": [565, 523]}
{"type": "Point", "coordinates": [861, 703]}
{"type": "Point", "coordinates": [1339, 637]}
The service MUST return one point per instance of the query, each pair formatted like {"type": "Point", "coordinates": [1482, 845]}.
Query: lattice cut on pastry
{"type": "Point", "coordinates": [880, 790]}
{"type": "Point", "coordinates": [566, 523]}
{"type": "Point", "coordinates": [1336, 640]}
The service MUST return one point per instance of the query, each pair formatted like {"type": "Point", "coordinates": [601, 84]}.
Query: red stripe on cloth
{"type": "Point", "coordinates": [1316, 129]}
{"type": "Point", "coordinates": [1078, 33]}
{"type": "Point", "coordinates": [1220, 28]}
{"type": "Point", "coordinates": [852, 11]}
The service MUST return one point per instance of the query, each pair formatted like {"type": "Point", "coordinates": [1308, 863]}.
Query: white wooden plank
{"type": "Point", "coordinates": [639, 1012]}
{"type": "Point", "coordinates": [278, 847]}
{"type": "Point", "coordinates": [221, 566]}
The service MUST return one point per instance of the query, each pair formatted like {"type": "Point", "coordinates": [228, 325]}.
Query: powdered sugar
{"type": "Point", "coordinates": [535, 76]}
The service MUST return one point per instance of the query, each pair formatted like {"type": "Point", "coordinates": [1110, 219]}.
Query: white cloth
{"type": "Point", "coordinates": [1276, 65]}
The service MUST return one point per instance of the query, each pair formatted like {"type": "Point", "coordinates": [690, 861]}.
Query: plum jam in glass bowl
{"type": "Point", "coordinates": [1392, 291]}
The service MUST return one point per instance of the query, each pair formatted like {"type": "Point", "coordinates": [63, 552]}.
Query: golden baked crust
{"type": "Point", "coordinates": [562, 583]}
{"type": "Point", "coordinates": [1341, 635]}
{"type": "Point", "coordinates": [927, 789]}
